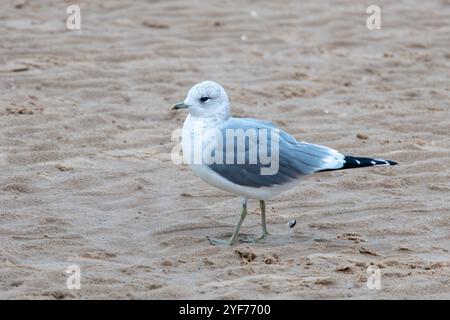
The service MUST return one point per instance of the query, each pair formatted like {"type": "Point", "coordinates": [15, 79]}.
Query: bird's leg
{"type": "Point", "coordinates": [262, 205]}
{"type": "Point", "coordinates": [230, 241]}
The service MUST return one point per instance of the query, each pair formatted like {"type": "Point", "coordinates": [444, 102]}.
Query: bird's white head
{"type": "Point", "coordinates": [206, 99]}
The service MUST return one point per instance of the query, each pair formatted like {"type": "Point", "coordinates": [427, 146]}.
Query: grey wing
{"type": "Point", "coordinates": [289, 159]}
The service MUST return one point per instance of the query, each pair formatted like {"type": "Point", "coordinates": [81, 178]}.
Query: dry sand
{"type": "Point", "coordinates": [86, 176]}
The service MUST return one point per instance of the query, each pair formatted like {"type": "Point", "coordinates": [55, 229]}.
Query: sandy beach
{"type": "Point", "coordinates": [86, 176]}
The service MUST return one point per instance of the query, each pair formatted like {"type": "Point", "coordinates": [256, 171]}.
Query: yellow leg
{"type": "Point", "coordinates": [262, 205]}
{"type": "Point", "coordinates": [230, 241]}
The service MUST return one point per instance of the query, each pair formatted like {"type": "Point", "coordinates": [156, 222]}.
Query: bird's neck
{"type": "Point", "coordinates": [209, 120]}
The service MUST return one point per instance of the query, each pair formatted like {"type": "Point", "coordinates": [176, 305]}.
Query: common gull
{"type": "Point", "coordinates": [237, 168]}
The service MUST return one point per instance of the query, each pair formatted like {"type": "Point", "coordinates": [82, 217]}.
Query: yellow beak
{"type": "Point", "coordinates": [179, 105]}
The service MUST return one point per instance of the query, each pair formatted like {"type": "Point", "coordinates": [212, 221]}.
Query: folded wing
{"type": "Point", "coordinates": [294, 158]}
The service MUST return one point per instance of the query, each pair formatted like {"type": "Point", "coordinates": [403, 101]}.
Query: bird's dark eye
{"type": "Point", "coordinates": [204, 99]}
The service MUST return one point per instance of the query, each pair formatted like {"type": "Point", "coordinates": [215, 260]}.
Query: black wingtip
{"type": "Point", "coordinates": [392, 163]}
{"type": "Point", "coordinates": [360, 162]}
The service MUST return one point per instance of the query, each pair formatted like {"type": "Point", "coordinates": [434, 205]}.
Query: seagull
{"type": "Point", "coordinates": [209, 116]}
